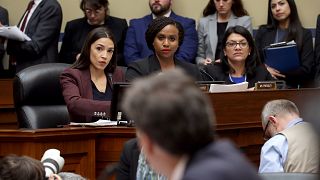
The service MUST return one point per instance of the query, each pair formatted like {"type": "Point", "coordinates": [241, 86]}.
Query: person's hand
{"type": "Point", "coordinates": [207, 61]}
{"type": "Point", "coordinates": [54, 177]}
{"type": "Point", "coordinates": [274, 73]}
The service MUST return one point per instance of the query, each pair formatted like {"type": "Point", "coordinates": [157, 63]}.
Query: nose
{"type": "Point", "coordinates": [277, 7]}
{"type": "Point", "coordinates": [220, 3]}
{"type": "Point", "coordinates": [166, 42]}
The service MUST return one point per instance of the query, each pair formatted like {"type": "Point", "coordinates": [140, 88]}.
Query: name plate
{"type": "Point", "coordinates": [266, 85]}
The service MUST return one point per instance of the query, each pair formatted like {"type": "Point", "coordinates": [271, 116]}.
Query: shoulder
{"type": "Point", "coordinates": [50, 4]}
{"type": "Point", "coordinates": [244, 18]}
{"type": "Point", "coordinates": [72, 72]}
{"type": "Point", "coordinates": [306, 33]}
{"type": "Point", "coordinates": [117, 21]}
{"type": "Point", "coordinates": [206, 19]}
{"type": "Point", "coordinates": [142, 20]}
{"type": "Point", "coordinates": [276, 142]}
{"type": "Point", "coordinates": [219, 160]}
{"type": "Point", "coordinates": [76, 22]}
{"type": "Point", "coordinates": [182, 19]}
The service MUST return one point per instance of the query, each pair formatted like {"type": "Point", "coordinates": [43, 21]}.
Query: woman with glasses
{"type": "Point", "coordinates": [239, 61]}
{"type": "Point", "coordinates": [95, 15]}
{"type": "Point", "coordinates": [284, 25]}
{"type": "Point", "coordinates": [218, 16]}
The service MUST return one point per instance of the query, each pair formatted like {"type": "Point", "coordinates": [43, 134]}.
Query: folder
{"type": "Point", "coordinates": [283, 57]}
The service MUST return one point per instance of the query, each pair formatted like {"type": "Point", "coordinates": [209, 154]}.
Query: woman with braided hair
{"type": "Point", "coordinates": [163, 36]}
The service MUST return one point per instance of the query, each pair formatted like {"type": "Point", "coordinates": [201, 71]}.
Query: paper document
{"type": "Point", "coordinates": [14, 33]}
{"type": "Point", "coordinates": [100, 122]}
{"type": "Point", "coordinates": [214, 88]}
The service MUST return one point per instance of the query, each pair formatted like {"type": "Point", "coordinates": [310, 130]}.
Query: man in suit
{"type": "Point", "coordinates": [42, 25]}
{"type": "Point", "coordinates": [317, 50]}
{"type": "Point", "coordinates": [4, 20]}
{"type": "Point", "coordinates": [175, 130]}
{"type": "Point", "coordinates": [292, 145]}
{"type": "Point", "coordinates": [135, 45]}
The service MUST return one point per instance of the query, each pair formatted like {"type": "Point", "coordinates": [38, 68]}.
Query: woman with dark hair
{"type": "Point", "coordinates": [284, 25]}
{"type": "Point", "coordinates": [240, 61]}
{"type": "Point", "coordinates": [218, 16]}
{"type": "Point", "coordinates": [163, 37]}
{"type": "Point", "coordinates": [87, 84]}
{"type": "Point", "coordinates": [96, 14]}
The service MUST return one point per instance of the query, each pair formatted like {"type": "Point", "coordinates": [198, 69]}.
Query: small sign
{"type": "Point", "coordinates": [266, 85]}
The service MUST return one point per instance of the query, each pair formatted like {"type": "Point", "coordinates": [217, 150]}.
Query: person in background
{"type": "Point", "coordinates": [240, 61]}
{"type": "Point", "coordinates": [317, 51]}
{"type": "Point", "coordinates": [87, 84]}
{"type": "Point", "coordinates": [178, 140]}
{"type": "Point", "coordinates": [42, 23]}
{"type": "Point", "coordinates": [292, 145]}
{"type": "Point", "coordinates": [164, 36]}
{"type": "Point", "coordinates": [96, 14]}
{"type": "Point", "coordinates": [4, 20]}
{"type": "Point", "coordinates": [284, 25]}
{"type": "Point", "coordinates": [218, 16]}
{"type": "Point", "coordinates": [135, 45]}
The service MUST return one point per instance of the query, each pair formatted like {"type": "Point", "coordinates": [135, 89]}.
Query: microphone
{"type": "Point", "coordinates": [109, 76]}
{"type": "Point", "coordinates": [203, 72]}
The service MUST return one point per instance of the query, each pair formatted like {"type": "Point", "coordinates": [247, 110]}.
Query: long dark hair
{"type": "Point", "coordinates": [95, 4]}
{"type": "Point", "coordinates": [83, 61]}
{"type": "Point", "coordinates": [237, 9]}
{"type": "Point", "coordinates": [295, 29]}
{"type": "Point", "coordinates": [252, 60]}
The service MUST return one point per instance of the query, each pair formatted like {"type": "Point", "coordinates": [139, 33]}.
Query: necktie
{"type": "Point", "coordinates": [31, 3]}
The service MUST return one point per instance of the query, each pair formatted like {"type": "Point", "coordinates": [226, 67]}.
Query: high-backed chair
{"type": "Point", "coordinates": [38, 97]}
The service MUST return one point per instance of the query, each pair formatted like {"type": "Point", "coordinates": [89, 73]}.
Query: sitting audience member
{"type": "Point", "coordinates": [292, 145]}
{"type": "Point", "coordinates": [95, 15]}
{"type": "Point", "coordinates": [218, 16]}
{"type": "Point", "coordinates": [317, 51]}
{"type": "Point", "coordinates": [4, 20]}
{"type": "Point", "coordinates": [284, 25]}
{"type": "Point", "coordinates": [164, 36]}
{"type": "Point", "coordinates": [178, 140]}
{"type": "Point", "coordinates": [21, 168]}
{"type": "Point", "coordinates": [87, 84]}
{"type": "Point", "coordinates": [42, 23]}
{"type": "Point", "coordinates": [240, 61]}
{"type": "Point", "coordinates": [135, 45]}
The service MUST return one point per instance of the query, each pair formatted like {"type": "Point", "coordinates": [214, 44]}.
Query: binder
{"type": "Point", "coordinates": [283, 57]}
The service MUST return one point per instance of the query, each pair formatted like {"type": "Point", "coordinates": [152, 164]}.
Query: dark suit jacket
{"type": "Point", "coordinates": [136, 47]}
{"type": "Point", "coordinates": [216, 71]}
{"type": "Point", "coordinates": [44, 30]}
{"type": "Point", "coordinates": [301, 76]}
{"type": "Point", "coordinates": [317, 49]}
{"type": "Point", "coordinates": [77, 91]}
{"type": "Point", "coordinates": [77, 30]}
{"type": "Point", "coordinates": [128, 164]}
{"type": "Point", "coordinates": [4, 19]}
{"type": "Point", "coordinates": [219, 160]}
{"type": "Point", "coordinates": [151, 65]}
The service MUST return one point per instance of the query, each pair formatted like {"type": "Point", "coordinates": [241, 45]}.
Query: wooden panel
{"type": "Point", "coordinates": [8, 118]}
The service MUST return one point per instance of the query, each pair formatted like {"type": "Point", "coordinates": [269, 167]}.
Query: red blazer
{"type": "Point", "coordinates": [77, 93]}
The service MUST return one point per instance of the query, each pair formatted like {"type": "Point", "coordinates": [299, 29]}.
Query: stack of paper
{"type": "Point", "coordinates": [100, 122]}
{"type": "Point", "coordinates": [14, 33]}
{"type": "Point", "coordinates": [214, 88]}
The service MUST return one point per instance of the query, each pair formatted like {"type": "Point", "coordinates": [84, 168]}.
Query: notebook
{"type": "Point", "coordinates": [283, 57]}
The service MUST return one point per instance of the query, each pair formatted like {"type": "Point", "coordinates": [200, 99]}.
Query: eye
{"type": "Point", "coordinates": [172, 38]}
{"type": "Point", "coordinates": [161, 37]}
{"type": "Point", "coordinates": [110, 50]}
{"type": "Point", "coordinates": [99, 48]}
{"type": "Point", "coordinates": [243, 44]}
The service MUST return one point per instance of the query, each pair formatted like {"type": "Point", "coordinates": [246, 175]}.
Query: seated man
{"type": "Point", "coordinates": [175, 130]}
{"type": "Point", "coordinates": [292, 144]}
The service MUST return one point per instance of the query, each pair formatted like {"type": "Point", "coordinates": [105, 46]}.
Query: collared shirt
{"type": "Point", "coordinates": [165, 15]}
{"type": "Point", "coordinates": [274, 151]}
{"type": "Point", "coordinates": [178, 171]}
{"type": "Point", "coordinates": [35, 5]}
{"type": "Point", "coordinates": [144, 171]}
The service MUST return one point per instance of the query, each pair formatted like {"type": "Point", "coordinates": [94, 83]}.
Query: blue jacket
{"type": "Point", "coordinates": [136, 46]}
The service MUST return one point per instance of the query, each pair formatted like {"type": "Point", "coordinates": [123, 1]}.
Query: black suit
{"type": "Point", "coordinates": [4, 19]}
{"type": "Point", "coordinates": [44, 30]}
{"type": "Point", "coordinates": [128, 163]}
{"type": "Point", "coordinates": [301, 76]}
{"type": "Point", "coordinates": [317, 50]}
{"type": "Point", "coordinates": [219, 160]}
{"type": "Point", "coordinates": [77, 30]}
{"type": "Point", "coordinates": [151, 65]}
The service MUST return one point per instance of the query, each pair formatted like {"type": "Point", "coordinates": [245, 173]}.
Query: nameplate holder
{"type": "Point", "coordinates": [267, 85]}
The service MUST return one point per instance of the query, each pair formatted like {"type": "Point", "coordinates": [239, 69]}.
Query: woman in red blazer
{"type": "Point", "coordinates": [87, 84]}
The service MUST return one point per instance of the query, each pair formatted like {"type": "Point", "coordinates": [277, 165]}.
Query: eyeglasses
{"type": "Point", "coordinates": [265, 137]}
{"type": "Point", "coordinates": [234, 44]}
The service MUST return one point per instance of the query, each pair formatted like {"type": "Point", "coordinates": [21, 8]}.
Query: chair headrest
{"type": "Point", "coordinates": [39, 85]}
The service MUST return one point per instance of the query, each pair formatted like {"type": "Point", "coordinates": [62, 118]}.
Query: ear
{"type": "Point", "coordinates": [273, 120]}
{"type": "Point", "coordinates": [224, 52]}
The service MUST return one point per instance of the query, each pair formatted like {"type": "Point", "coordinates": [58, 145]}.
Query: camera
{"type": "Point", "coordinates": [52, 162]}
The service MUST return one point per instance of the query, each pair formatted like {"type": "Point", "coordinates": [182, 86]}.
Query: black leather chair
{"type": "Point", "coordinates": [38, 97]}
